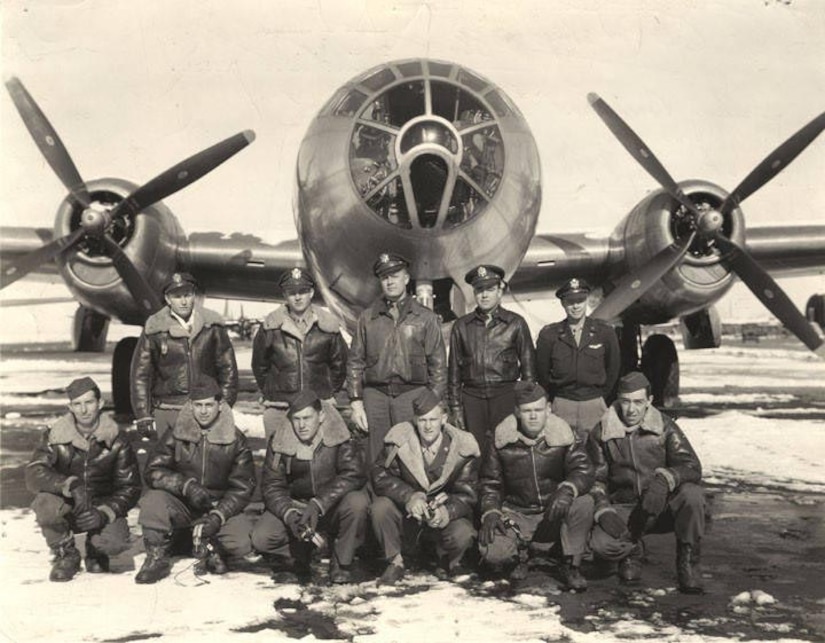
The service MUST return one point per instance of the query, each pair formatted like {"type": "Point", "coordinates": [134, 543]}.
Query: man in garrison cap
{"type": "Point", "coordinates": [534, 482]}
{"type": "Point", "coordinates": [490, 350]}
{"type": "Point", "coordinates": [85, 478]}
{"type": "Point", "coordinates": [312, 480]}
{"type": "Point", "coordinates": [397, 351]}
{"type": "Point", "coordinates": [180, 343]}
{"type": "Point", "coordinates": [647, 481]}
{"type": "Point", "coordinates": [299, 346]}
{"type": "Point", "coordinates": [425, 486]}
{"type": "Point", "coordinates": [200, 477]}
{"type": "Point", "coordinates": [578, 360]}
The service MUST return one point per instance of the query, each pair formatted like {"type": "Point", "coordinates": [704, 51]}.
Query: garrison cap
{"type": "Point", "coordinates": [574, 287]}
{"type": "Point", "coordinates": [484, 275]}
{"type": "Point", "coordinates": [80, 386]}
{"type": "Point", "coordinates": [633, 381]}
{"type": "Point", "coordinates": [178, 281]}
{"type": "Point", "coordinates": [389, 262]}
{"type": "Point", "coordinates": [204, 388]}
{"type": "Point", "coordinates": [306, 397]}
{"type": "Point", "coordinates": [425, 402]}
{"type": "Point", "coordinates": [296, 279]}
{"type": "Point", "coordinates": [528, 392]}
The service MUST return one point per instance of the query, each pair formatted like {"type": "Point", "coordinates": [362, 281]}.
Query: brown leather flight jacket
{"type": "Point", "coordinates": [399, 472]}
{"type": "Point", "coordinates": [167, 360]}
{"type": "Point", "coordinates": [284, 361]}
{"type": "Point", "coordinates": [105, 465]}
{"type": "Point", "coordinates": [323, 474]}
{"type": "Point", "coordinates": [523, 474]}
{"type": "Point", "coordinates": [217, 458]}
{"type": "Point", "coordinates": [625, 462]}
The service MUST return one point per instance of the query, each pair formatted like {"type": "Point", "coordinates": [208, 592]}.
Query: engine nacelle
{"type": "Point", "coordinates": [153, 240]}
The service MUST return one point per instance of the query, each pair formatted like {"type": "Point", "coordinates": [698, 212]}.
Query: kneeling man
{"type": "Point", "coordinates": [85, 477]}
{"type": "Point", "coordinates": [201, 477]}
{"type": "Point", "coordinates": [647, 477]}
{"type": "Point", "coordinates": [312, 479]}
{"type": "Point", "coordinates": [425, 485]}
{"type": "Point", "coordinates": [534, 484]}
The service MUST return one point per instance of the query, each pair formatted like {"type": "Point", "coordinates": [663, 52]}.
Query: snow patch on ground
{"type": "Point", "coordinates": [735, 398]}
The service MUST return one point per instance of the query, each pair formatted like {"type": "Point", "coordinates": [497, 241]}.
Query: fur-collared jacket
{"type": "Point", "coordinates": [218, 458]}
{"type": "Point", "coordinates": [626, 461]}
{"type": "Point", "coordinates": [522, 473]}
{"type": "Point", "coordinates": [168, 358]}
{"type": "Point", "coordinates": [323, 472]}
{"type": "Point", "coordinates": [105, 464]}
{"type": "Point", "coordinates": [286, 361]}
{"type": "Point", "coordinates": [399, 472]}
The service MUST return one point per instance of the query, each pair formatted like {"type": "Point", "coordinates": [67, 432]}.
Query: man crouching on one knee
{"type": "Point", "coordinates": [86, 478]}
{"type": "Point", "coordinates": [312, 480]}
{"type": "Point", "coordinates": [647, 477]}
{"type": "Point", "coordinates": [534, 484]}
{"type": "Point", "coordinates": [425, 485]}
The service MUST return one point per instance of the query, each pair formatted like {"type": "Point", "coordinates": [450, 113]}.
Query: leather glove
{"type": "Point", "coordinates": [79, 496]}
{"type": "Point", "coordinates": [491, 524]}
{"type": "Point", "coordinates": [211, 525]}
{"type": "Point", "coordinates": [309, 517]}
{"type": "Point", "coordinates": [560, 504]}
{"type": "Point", "coordinates": [359, 415]}
{"type": "Point", "coordinates": [90, 519]}
{"type": "Point", "coordinates": [457, 418]}
{"type": "Point", "coordinates": [292, 521]}
{"type": "Point", "coordinates": [417, 506]}
{"type": "Point", "coordinates": [198, 496]}
{"type": "Point", "coordinates": [610, 522]}
{"type": "Point", "coordinates": [146, 427]}
{"type": "Point", "coordinates": [655, 496]}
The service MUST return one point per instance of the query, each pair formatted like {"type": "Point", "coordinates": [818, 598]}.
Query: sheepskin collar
{"type": "Point", "coordinates": [163, 322]}
{"type": "Point", "coordinates": [64, 431]}
{"type": "Point", "coordinates": [613, 428]}
{"type": "Point", "coordinates": [221, 432]}
{"type": "Point", "coordinates": [280, 319]}
{"type": "Point", "coordinates": [556, 433]}
{"type": "Point", "coordinates": [333, 431]}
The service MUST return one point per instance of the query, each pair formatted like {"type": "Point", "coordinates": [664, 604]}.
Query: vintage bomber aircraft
{"type": "Point", "coordinates": [429, 159]}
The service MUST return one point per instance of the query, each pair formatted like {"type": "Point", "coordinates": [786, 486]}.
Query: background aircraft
{"type": "Point", "coordinates": [434, 160]}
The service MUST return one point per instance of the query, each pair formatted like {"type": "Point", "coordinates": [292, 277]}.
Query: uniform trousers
{"type": "Point", "coordinates": [580, 415]}
{"type": "Point", "coordinates": [165, 419]}
{"type": "Point", "coordinates": [483, 414]}
{"type": "Point", "coordinates": [384, 411]}
{"type": "Point", "coordinates": [56, 520]}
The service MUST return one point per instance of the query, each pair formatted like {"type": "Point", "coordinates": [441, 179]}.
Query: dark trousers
{"type": "Point", "coordinates": [384, 411]}
{"type": "Point", "coordinates": [165, 419]}
{"type": "Point", "coordinates": [483, 415]}
{"type": "Point", "coordinates": [56, 520]}
{"type": "Point", "coordinates": [580, 415]}
{"type": "Point", "coordinates": [347, 523]}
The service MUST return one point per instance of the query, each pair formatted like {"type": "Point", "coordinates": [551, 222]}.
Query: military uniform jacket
{"type": "Point", "coordinates": [484, 359]}
{"type": "Point", "coordinates": [286, 361]}
{"type": "Point", "coordinates": [522, 474]}
{"type": "Point", "coordinates": [168, 359]}
{"type": "Point", "coordinates": [410, 351]}
{"type": "Point", "coordinates": [400, 471]}
{"type": "Point", "coordinates": [582, 372]}
{"type": "Point", "coordinates": [105, 464]}
{"type": "Point", "coordinates": [218, 458]}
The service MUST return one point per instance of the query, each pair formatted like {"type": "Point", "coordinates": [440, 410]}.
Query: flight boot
{"type": "Point", "coordinates": [571, 575]}
{"type": "Point", "coordinates": [157, 564]}
{"type": "Point", "coordinates": [687, 568]}
{"type": "Point", "coordinates": [630, 567]}
{"type": "Point", "coordinates": [66, 561]}
{"type": "Point", "coordinates": [96, 561]}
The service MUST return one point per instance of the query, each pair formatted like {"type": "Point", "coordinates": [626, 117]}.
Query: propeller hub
{"type": "Point", "coordinates": [710, 222]}
{"type": "Point", "coordinates": [95, 221]}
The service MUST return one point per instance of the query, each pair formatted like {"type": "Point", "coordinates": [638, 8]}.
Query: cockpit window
{"type": "Point", "coordinates": [351, 103]}
{"type": "Point", "coordinates": [379, 79]}
{"type": "Point", "coordinates": [483, 159]}
{"type": "Point", "coordinates": [372, 157]}
{"type": "Point", "coordinates": [440, 69]}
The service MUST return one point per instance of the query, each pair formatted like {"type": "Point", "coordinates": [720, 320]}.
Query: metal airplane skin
{"type": "Point", "coordinates": [429, 159]}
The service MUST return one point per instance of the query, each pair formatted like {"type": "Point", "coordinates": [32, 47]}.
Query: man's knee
{"type": "Point", "coordinates": [383, 510]}
{"type": "Point", "coordinates": [458, 535]}
{"type": "Point", "coordinates": [155, 509]}
{"type": "Point", "coordinates": [235, 535]}
{"type": "Point", "coordinates": [49, 508]}
{"type": "Point", "coordinates": [269, 534]}
{"type": "Point", "coordinates": [583, 507]}
{"type": "Point", "coordinates": [354, 504]}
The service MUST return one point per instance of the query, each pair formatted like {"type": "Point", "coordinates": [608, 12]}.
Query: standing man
{"type": "Point", "coordinates": [578, 361]}
{"type": "Point", "coordinates": [200, 475]}
{"type": "Point", "coordinates": [180, 344]}
{"type": "Point", "coordinates": [86, 478]}
{"type": "Point", "coordinates": [647, 481]}
{"type": "Point", "coordinates": [299, 346]}
{"type": "Point", "coordinates": [490, 349]}
{"type": "Point", "coordinates": [534, 483]}
{"type": "Point", "coordinates": [397, 350]}
{"type": "Point", "coordinates": [312, 479]}
{"type": "Point", "coordinates": [425, 487]}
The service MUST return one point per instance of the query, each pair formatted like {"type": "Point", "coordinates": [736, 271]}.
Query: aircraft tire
{"type": "Point", "coordinates": [815, 310]}
{"type": "Point", "coordinates": [660, 363]}
{"type": "Point", "coordinates": [121, 373]}
{"type": "Point", "coordinates": [90, 330]}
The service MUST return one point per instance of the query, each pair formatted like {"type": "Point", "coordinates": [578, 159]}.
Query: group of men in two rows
{"type": "Point", "coordinates": [459, 449]}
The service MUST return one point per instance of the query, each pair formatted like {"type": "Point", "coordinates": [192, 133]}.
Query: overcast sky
{"type": "Point", "coordinates": [133, 88]}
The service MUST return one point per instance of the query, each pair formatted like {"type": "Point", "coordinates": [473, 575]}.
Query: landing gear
{"type": "Point", "coordinates": [815, 310]}
{"type": "Point", "coordinates": [89, 331]}
{"type": "Point", "coordinates": [121, 370]}
{"type": "Point", "coordinates": [702, 329]}
{"type": "Point", "coordinates": [660, 363]}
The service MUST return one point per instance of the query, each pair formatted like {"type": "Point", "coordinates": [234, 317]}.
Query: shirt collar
{"type": "Point", "coordinates": [435, 446]}
{"type": "Point", "coordinates": [186, 324]}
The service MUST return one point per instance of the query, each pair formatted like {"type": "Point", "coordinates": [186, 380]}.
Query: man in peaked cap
{"type": "Point", "coordinates": [425, 484]}
{"type": "Point", "coordinates": [534, 482]}
{"type": "Point", "coordinates": [490, 350]}
{"type": "Point", "coordinates": [180, 343]}
{"type": "Point", "coordinates": [86, 479]}
{"type": "Point", "coordinates": [578, 360]}
{"type": "Point", "coordinates": [397, 351]}
{"type": "Point", "coordinates": [299, 346]}
{"type": "Point", "coordinates": [647, 481]}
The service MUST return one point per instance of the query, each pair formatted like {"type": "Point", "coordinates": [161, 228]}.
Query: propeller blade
{"type": "Point", "coordinates": [40, 256]}
{"type": "Point", "coordinates": [179, 176]}
{"type": "Point", "coordinates": [774, 163]}
{"type": "Point", "coordinates": [770, 294]}
{"type": "Point", "coordinates": [48, 141]}
{"type": "Point", "coordinates": [639, 151]}
{"type": "Point", "coordinates": [145, 297]}
{"type": "Point", "coordinates": [635, 284]}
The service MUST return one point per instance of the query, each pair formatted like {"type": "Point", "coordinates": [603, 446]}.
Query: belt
{"type": "Point", "coordinates": [394, 389]}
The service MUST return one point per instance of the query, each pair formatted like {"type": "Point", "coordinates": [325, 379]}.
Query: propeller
{"type": "Point", "coordinates": [707, 223]}
{"type": "Point", "coordinates": [96, 223]}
